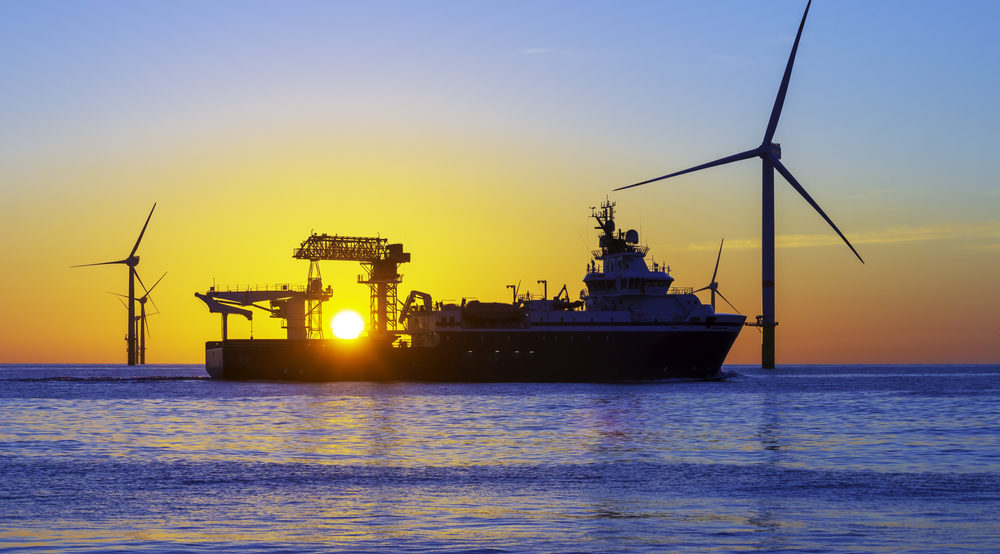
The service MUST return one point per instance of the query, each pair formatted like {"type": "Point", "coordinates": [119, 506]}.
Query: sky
{"type": "Point", "coordinates": [478, 134]}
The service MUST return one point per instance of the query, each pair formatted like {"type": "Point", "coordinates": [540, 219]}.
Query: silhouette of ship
{"type": "Point", "coordinates": [629, 324]}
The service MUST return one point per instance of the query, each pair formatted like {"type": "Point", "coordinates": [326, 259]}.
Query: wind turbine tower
{"type": "Point", "coordinates": [140, 321]}
{"type": "Point", "coordinates": [131, 261]}
{"type": "Point", "coordinates": [770, 154]}
{"type": "Point", "coordinates": [143, 327]}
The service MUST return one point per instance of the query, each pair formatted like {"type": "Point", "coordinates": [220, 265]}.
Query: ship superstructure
{"type": "Point", "coordinates": [629, 323]}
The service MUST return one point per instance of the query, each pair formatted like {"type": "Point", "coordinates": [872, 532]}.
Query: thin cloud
{"type": "Point", "coordinates": [987, 247]}
{"type": "Point", "coordinates": [989, 231]}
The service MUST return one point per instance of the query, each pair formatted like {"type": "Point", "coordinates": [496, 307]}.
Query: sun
{"type": "Point", "coordinates": [347, 324]}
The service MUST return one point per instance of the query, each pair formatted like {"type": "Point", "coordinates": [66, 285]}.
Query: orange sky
{"type": "Point", "coordinates": [482, 153]}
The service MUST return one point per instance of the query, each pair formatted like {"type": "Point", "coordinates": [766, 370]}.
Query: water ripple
{"type": "Point", "coordinates": [824, 458]}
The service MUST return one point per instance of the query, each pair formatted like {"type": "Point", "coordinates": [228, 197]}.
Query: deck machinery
{"type": "Point", "coordinates": [302, 308]}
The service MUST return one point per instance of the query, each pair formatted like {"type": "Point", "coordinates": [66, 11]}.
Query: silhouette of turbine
{"type": "Point", "coordinates": [770, 155]}
{"type": "Point", "coordinates": [131, 261]}
{"type": "Point", "coordinates": [713, 286]}
{"type": "Point", "coordinates": [140, 320]}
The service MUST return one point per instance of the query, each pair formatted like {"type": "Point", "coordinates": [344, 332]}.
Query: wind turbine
{"type": "Point", "coordinates": [140, 320]}
{"type": "Point", "coordinates": [143, 328]}
{"type": "Point", "coordinates": [131, 261]}
{"type": "Point", "coordinates": [770, 155]}
{"type": "Point", "coordinates": [713, 286]}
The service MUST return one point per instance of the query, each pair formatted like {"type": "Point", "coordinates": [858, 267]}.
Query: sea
{"type": "Point", "coordinates": [817, 458]}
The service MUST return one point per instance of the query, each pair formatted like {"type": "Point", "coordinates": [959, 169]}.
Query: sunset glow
{"type": "Point", "coordinates": [347, 324]}
{"type": "Point", "coordinates": [478, 134]}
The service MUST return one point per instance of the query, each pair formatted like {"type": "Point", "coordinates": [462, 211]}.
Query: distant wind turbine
{"type": "Point", "coordinates": [713, 286]}
{"type": "Point", "coordinates": [143, 327]}
{"type": "Point", "coordinates": [131, 261]}
{"type": "Point", "coordinates": [140, 320]}
{"type": "Point", "coordinates": [770, 155]}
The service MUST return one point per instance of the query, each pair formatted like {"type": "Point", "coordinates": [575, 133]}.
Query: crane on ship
{"type": "Point", "coordinates": [300, 307]}
{"type": "Point", "coordinates": [380, 261]}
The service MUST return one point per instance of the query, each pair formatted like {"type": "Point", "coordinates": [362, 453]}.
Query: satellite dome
{"type": "Point", "coordinates": [632, 236]}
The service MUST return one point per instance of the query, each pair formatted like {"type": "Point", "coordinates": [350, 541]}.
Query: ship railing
{"type": "Point", "coordinates": [279, 287]}
{"type": "Point", "coordinates": [680, 290]}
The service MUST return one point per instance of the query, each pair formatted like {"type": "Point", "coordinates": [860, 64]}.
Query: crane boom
{"type": "Point", "coordinates": [381, 263]}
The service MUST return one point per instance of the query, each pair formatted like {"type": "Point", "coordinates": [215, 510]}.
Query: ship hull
{"type": "Point", "coordinates": [523, 355]}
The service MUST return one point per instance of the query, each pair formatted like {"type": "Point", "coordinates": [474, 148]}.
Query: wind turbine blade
{"type": "Point", "coordinates": [138, 240]}
{"type": "Point", "coordinates": [150, 291]}
{"type": "Point", "coordinates": [728, 302]}
{"type": "Point", "coordinates": [116, 294]}
{"type": "Point", "coordinates": [703, 288]}
{"type": "Point", "coordinates": [722, 161]}
{"type": "Point", "coordinates": [156, 283]}
{"type": "Point", "coordinates": [124, 305]}
{"type": "Point", "coordinates": [779, 101]}
{"type": "Point", "coordinates": [719, 257]}
{"type": "Point", "coordinates": [102, 263]}
{"type": "Point", "coordinates": [143, 285]}
{"type": "Point", "coordinates": [795, 185]}
{"type": "Point", "coordinates": [146, 296]}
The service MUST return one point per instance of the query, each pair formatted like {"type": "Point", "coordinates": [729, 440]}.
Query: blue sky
{"type": "Point", "coordinates": [259, 121]}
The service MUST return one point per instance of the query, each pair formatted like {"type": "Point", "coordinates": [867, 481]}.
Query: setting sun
{"type": "Point", "coordinates": [347, 325]}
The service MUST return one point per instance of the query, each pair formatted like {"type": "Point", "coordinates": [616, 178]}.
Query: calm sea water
{"type": "Point", "coordinates": [803, 458]}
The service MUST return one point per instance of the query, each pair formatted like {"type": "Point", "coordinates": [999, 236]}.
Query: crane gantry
{"type": "Point", "coordinates": [377, 257]}
{"type": "Point", "coordinates": [302, 307]}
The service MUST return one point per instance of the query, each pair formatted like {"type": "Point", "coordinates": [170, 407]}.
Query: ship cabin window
{"type": "Point", "coordinates": [601, 285]}
{"type": "Point", "coordinates": [635, 283]}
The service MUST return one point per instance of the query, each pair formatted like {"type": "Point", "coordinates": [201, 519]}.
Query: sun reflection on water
{"type": "Point", "coordinates": [383, 466]}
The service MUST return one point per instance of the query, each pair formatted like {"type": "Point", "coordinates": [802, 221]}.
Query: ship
{"type": "Point", "coordinates": [629, 324]}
